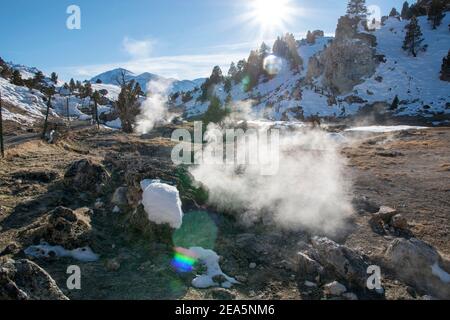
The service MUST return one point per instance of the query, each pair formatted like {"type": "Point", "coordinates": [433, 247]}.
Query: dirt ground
{"type": "Point", "coordinates": [408, 171]}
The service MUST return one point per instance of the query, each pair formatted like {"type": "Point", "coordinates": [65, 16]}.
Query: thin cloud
{"type": "Point", "coordinates": [177, 67]}
{"type": "Point", "coordinates": [138, 49]}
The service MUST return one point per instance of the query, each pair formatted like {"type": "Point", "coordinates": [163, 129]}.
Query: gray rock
{"type": "Point", "coordinates": [399, 222]}
{"type": "Point", "coordinates": [420, 265]}
{"type": "Point", "coordinates": [25, 280]}
{"type": "Point", "coordinates": [120, 197]}
{"type": "Point", "coordinates": [350, 296]}
{"type": "Point", "coordinates": [347, 61]}
{"type": "Point", "coordinates": [84, 175]}
{"type": "Point", "coordinates": [341, 261]}
{"type": "Point", "coordinates": [307, 267]}
{"type": "Point", "coordinates": [65, 227]}
{"type": "Point", "coordinates": [335, 289]}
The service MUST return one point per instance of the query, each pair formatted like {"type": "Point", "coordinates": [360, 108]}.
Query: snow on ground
{"type": "Point", "coordinates": [211, 260]}
{"type": "Point", "coordinates": [115, 124]}
{"type": "Point", "coordinates": [384, 129]}
{"type": "Point", "coordinates": [162, 203]}
{"type": "Point", "coordinates": [414, 80]}
{"type": "Point", "coordinates": [113, 90]}
{"type": "Point", "coordinates": [31, 103]}
{"type": "Point", "coordinates": [44, 250]}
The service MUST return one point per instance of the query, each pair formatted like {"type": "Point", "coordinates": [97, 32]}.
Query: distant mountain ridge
{"type": "Point", "coordinates": [113, 77]}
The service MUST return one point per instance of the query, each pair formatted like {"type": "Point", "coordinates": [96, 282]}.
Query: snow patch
{"type": "Point", "coordinates": [44, 250]}
{"type": "Point", "coordinates": [211, 260]}
{"type": "Point", "coordinates": [384, 129]}
{"type": "Point", "coordinates": [162, 203]}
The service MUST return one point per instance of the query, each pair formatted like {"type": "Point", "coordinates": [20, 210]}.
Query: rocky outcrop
{"type": "Point", "coordinates": [67, 228]}
{"type": "Point", "coordinates": [341, 260]}
{"type": "Point", "coordinates": [350, 58]}
{"type": "Point", "coordinates": [420, 265]}
{"type": "Point", "coordinates": [25, 280]}
{"type": "Point", "coordinates": [328, 259]}
{"type": "Point", "coordinates": [345, 64]}
{"type": "Point", "coordinates": [84, 175]}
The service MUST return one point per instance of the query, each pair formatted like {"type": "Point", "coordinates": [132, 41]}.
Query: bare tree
{"type": "Point", "coordinates": [68, 111]}
{"type": "Point", "coordinates": [96, 98]}
{"type": "Point", "coordinates": [50, 92]}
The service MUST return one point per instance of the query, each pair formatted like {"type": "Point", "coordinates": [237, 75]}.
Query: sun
{"type": "Point", "coordinates": [271, 16]}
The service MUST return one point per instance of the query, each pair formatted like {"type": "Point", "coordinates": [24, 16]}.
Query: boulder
{"type": "Point", "coordinates": [341, 261]}
{"type": "Point", "coordinates": [420, 265]}
{"type": "Point", "coordinates": [308, 268]}
{"type": "Point", "coordinates": [335, 289]}
{"type": "Point", "coordinates": [25, 280]}
{"type": "Point", "coordinates": [67, 228]}
{"type": "Point", "coordinates": [120, 196]}
{"type": "Point", "coordinates": [84, 175]}
{"type": "Point", "coordinates": [399, 222]}
{"type": "Point", "coordinates": [383, 216]}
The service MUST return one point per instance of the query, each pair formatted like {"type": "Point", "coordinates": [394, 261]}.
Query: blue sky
{"type": "Point", "coordinates": [174, 38]}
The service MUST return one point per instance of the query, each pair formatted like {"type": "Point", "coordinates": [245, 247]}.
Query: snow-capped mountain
{"type": "Point", "coordinates": [114, 77]}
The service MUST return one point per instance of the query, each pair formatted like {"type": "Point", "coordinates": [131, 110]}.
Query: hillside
{"type": "Point", "coordinates": [415, 80]}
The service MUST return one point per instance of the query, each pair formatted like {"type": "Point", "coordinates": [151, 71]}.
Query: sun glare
{"type": "Point", "coordinates": [271, 16]}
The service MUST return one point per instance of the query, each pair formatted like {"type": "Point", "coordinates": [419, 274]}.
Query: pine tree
{"type": "Point", "coordinates": [54, 77]}
{"type": "Point", "coordinates": [405, 11]}
{"type": "Point", "coordinates": [127, 105]}
{"type": "Point", "coordinates": [215, 112]}
{"type": "Point", "coordinates": [38, 80]}
{"type": "Point", "coordinates": [5, 70]}
{"type": "Point", "coordinates": [216, 76]}
{"type": "Point", "coordinates": [264, 50]}
{"type": "Point", "coordinates": [87, 90]}
{"type": "Point", "coordinates": [253, 70]}
{"type": "Point", "coordinates": [96, 99]}
{"type": "Point", "coordinates": [445, 69]}
{"type": "Point", "coordinates": [207, 87]}
{"type": "Point", "coordinates": [357, 9]}
{"type": "Point", "coordinates": [232, 71]}
{"type": "Point", "coordinates": [227, 85]}
{"type": "Point", "coordinates": [395, 103]}
{"type": "Point", "coordinates": [16, 78]}
{"type": "Point", "coordinates": [435, 13]}
{"type": "Point", "coordinates": [393, 13]}
{"type": "Point", "coordinates": [413, 39]}
{"type": "Point", "coordinates": [72, 85]}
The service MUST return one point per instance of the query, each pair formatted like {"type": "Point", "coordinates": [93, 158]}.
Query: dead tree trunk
{"type": "Point", "coordinates": [68, 112]}
{"type": "Point", "coordinates": [49, 104]}
{"type": "Point", "coordinates": [2, 149]}
{"type": "Point", "coordinates": [96, 113]}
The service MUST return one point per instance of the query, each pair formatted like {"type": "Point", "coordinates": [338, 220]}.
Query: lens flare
{"type": "Point", "coordinates": [271, 16]}
{"type": "Point", "coordinates": [273, 64]}
{"type": "Point", "coordinates": [184, 260]}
